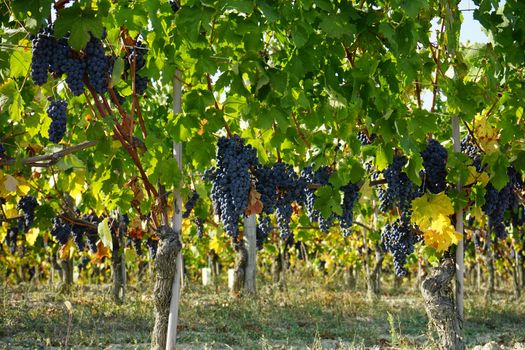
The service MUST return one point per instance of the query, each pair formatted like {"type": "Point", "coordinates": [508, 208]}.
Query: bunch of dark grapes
{"type": "Point", "coordinates": [98, 65]}
{"type": "Point", "coordinates": [152, 246]}
{"type": "Point", "coordinates": [435, 164]}
{"type": "Point", "coordinates": [399, 238]}
{"type": "Point", "coordinates": [91, 233]}
{"type": "Point", "coordinates": [319, 177]}
{"type": "Point", "coordinates": [264, 227]}
{"type": "Point", "coordinates": [61, 230]}
{"type": "Point", "coordinates": [190, 204]}
{"type": "Point", "coordinates": [473, 152]}
{"type": "Point", "coordinates": [365, 139]}
{"type": "Point", "coordinates": [477, 239]}
{"type": "Point", "coordinates": [2, 151]}
{"type": "Point", "coordinates": [290, 188]}
{"type": "Point", "coordinates": [55, 55]}
{"type": "Point", "coordinates": [231, 181]}
{"type": "Point", "coordinates": [57, 112]}
{"type": "Point", "coordinates": [10, 239]}
{"type": "Point", "coordinates": [27, 205]}
{"type": "Point", "coordinates": [137, 244]}
{"type": "Point", "coordinates": [79, 232]}
{"type": "Point", "coordinates": [266, 185]}
{"type": "Point", "coordinates": [496, 203]}
{"type": "Point", "coordinates": [350, 196]}
{"type": "Point", "coordinates": [199, 224]}
{"type": "Point", "coordinates": [43, 48]}
{"type": "Point", "coordinates": [175, 6]}
{"type": "Point", "coordinates": [136, 54]}
{"type": "Point", "coordinates": [400, 191]}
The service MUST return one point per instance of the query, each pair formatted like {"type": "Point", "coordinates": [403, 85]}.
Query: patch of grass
{"type": "Point", "coordinates": [307, 315]}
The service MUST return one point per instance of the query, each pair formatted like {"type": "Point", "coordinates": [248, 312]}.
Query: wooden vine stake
{"type": "Point", "coordinates": [460, 263]}
{"type": "Point", "coordinates": [171, 339]}
{"type": "Point", "coordinates": [250, 230]}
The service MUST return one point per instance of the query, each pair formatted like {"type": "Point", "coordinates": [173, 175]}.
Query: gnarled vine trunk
{"type": "Point", "coordinates": [165, 268]}
{"type": "Point", "coordinates": [241, 262]}
{"type": "Point", "coordinates": [440, 306]}
{"type": "Point", "coordinates": [66, 275]}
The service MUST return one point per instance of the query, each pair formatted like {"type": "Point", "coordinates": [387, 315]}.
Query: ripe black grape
{"type": "Point", "coordinates": [399, 238]}
{"type": "Point", "coordinates": [199, 224]}
{"type": "Point", "coordinates": [61, 230]}
{"type": "Point", "coordinates": [57, 112]}
{"type": "Point", "coordinates": [98, 65]}
{"type": "Point", "coordinates": [264, 227]}
{"type": "Point", "coordinates": [27, 205]}
{"type": "Point", "coordinates": [174, 5]}
{"type": "Point", "coordinates": [319, 177]}
{"type": "Point", "coordinates": [190, 204]}
{"type": "Point", "coordinates": [10, 239]}
{"type": "Point", "coordinates": [350, 196]}
{"type": "Point", "coordinates": [435, 164]}
{"type": "Point", "coordinates": [152, 246]}
{"type": "Point", "coordinates": [91, 234]}
{"type": "Point", "coordinates": [79, 232]}
{"type": "Point", "coordinates": [400, 191]}
{"type": "Point", "coordinates": [231, 181]}
{"type": "Point", "coordinates": [2, 151]}
{"type": "Point", "coordinates": [470, 149]}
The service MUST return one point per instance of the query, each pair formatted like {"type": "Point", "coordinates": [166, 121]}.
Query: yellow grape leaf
{"type": "Point", "coordinates": [32, 235]}
{"type": "Point", "coordinates": [217, 245]}
{"type": "Point", "coordinates": [428, 206]}
{"type": "Point", "coordinates": [441, 234]}
{"type": "Point", "coordinates": [474, 176]}
{"type": "Point", "coordinates": [486, 135]}
{"type": "Point", "coordinates": [66, 251]}
{"type": "Point", "coordinates": [130, 253]}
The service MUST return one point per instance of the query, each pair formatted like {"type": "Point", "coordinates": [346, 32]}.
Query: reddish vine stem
{"type": "Point", "coordinates": [95, 99]}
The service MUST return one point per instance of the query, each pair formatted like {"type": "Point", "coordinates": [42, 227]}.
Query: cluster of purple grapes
{"type": "Point", "coordinates": [350, 196]}
{"type": "Point", "coordinates": [199, 224]}
{"type": "Point", "coordinates": [497, 202]}
{"type": "Point", "coordinates": [91, 233]}
{"type": "Point", "coordinates": [99, 65]}
{"type": "Point", "coordinates": [290, 188]}
{"type": "Point", "coordinates": [137, 54]}
{"type": "Point", "coordinates": [55, 55]}
{"type": "Point", "coordinates": [61, 230]}
{"type": "Point", "coordinates": [399, 238]}
{"type": "Point", "coordinates": [264, 227]}
{"type": "Point", "coordinates": [175, 6]}
{"type": "Point", "coordinates": [231, 181]}
{"type": "Point", "coordinates": [10, 239]}
{"type": "Point", "coordinates": [57, 112]}
{"type": "Point", "coordinates": [473, 152]}
{"type": "Point", "coordinates": [27, 204]}
{"type": "Point", "coordinates": [153, 245]}
{"type": "Point", "coordinates": [365, 139]}
{"type": "Point", "coordinates": [190, 204]}
{"type": "Point", "coordinates": [2, 151]}
{"type": "Point", "coordinates": [400, 191]}
{"type": "Point", "coordinates": [320, 177]}
{"type": "Point", "coordinates": [435, 164]}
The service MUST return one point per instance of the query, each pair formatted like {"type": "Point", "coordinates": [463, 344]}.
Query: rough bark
{"type": "Point", "coordinates": [118, 270]}
{"type": "Point", "coordinates": [250, 228]}
{"type": "Point", "coordinates": [376, 272]}
{"type": "Point", "coordinates": [241, 262]}
{"type": "Point", "coordinates": [165, 267]}
{"type": "Point", "coordinates": [349, 277]}
{"type": "Point", "coordinates": [66, 273]}
{"type": "Point", "coordinates": [440, 307]}
{"type": "Point", "coordinates": [277, 268]}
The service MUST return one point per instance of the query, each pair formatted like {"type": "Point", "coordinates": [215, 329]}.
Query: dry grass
{"type": "Point", "coordinates": [309, 315]}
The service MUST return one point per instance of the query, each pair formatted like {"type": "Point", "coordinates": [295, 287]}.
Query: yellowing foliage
{"type": "Point", "coordinates": [486, 135]}
{"type": "Point", "coordinates": [431, 213]}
